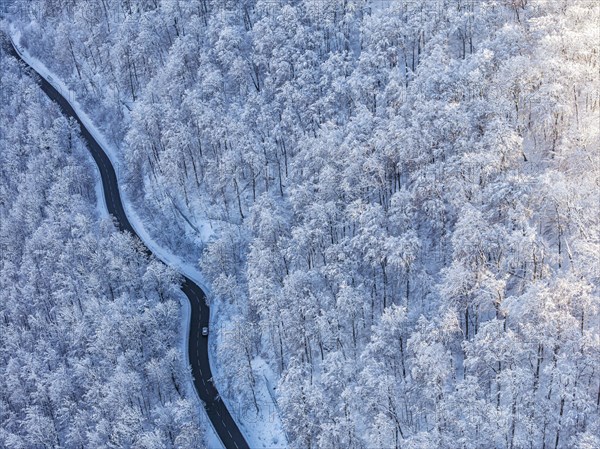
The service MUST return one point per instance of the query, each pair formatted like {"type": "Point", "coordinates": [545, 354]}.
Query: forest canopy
{"type": "Point", "coordinates": [404, 196]}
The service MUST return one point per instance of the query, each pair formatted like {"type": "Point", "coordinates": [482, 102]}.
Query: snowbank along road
{"type": "Point", "coordinates": [220, 417]}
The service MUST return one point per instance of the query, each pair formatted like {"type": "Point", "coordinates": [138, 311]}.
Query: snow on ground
{"type": "Point", "coordinates": [261, 430]}
{"type": "Point", "coordinates": [269, 428]}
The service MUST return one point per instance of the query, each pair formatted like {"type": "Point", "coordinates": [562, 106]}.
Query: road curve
{"type": "Point", "coordinates": [220, 417]}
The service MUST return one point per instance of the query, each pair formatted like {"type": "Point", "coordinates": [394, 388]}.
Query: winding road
{"type": "Point", "coordinates": [220, 417]}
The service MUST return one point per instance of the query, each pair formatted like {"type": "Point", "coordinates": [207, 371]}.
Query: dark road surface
{"type": "Point", "coordinates": [220, 417]}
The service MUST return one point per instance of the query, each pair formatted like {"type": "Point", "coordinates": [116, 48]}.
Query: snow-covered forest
{"type": "Point", "coordinates": [404, 198]}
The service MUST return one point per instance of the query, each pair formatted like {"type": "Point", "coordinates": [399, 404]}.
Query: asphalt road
{"type": "Point", "coordinates": [220, 417]}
